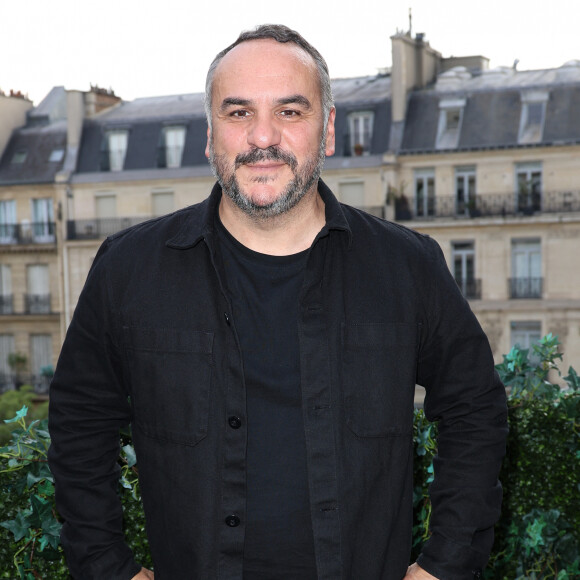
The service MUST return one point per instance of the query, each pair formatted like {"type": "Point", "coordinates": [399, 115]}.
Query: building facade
{"type": "Point", "coordinates": [485, 161]}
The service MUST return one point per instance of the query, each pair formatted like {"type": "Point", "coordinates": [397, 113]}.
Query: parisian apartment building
{"type": "Point", "coordinates": [484, 160]}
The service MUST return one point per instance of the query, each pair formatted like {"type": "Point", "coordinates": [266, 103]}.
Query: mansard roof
{"type": "Point", "coordinates": [492, 103]}
{"type": "Point", "coordinates": [27, 157]}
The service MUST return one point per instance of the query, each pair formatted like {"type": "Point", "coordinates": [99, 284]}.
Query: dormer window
{"type": "Point", "coordinates": [19, 157]}
{"type": "Point", "coordinates": [533, 117]}
{"type": "Point", "coordinates": [171, 146]}
{"type": "Point", "coordinates": [360, 125]}
{"type": "Point", "coordinates": [56, 155]}
{"type": "Point", "coordinates": [114, 150]}
{"type": "Point", "coordinates": [450, 119]}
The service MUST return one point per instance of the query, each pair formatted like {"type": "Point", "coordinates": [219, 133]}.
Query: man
{"type": "Point", "coordinates": [265, 345]}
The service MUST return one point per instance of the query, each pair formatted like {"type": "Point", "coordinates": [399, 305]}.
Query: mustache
{"type": "Point", "coordinates": [272, 153]}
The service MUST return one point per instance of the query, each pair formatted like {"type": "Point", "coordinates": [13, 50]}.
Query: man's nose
{"type": "Point", "coordinates": [264, 132]}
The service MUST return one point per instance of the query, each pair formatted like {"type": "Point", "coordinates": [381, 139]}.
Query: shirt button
{"type": "Point", "coordinates": [234, 422]}
{"type": "Point", "coordinates": [227, 317]}
{"type": "Point", "coordinates": [477, 575]}
{"type": "Point", "coordinates": [232, 521]}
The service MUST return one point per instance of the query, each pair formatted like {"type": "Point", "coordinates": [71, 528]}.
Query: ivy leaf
{"type": "Point", "coordinates": [41, 511]}
{"type": "Point", "coordinates": [130, 455]}
{"type": "Point", "coordinates": [46, 488]}
{"type": "Point", "coordinates": [19, 526]}
{"type": "Point", "coordinates": [19, 415]}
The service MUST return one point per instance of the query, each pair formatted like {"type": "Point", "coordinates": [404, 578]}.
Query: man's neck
{"type": "Point", "coordinates": [289, 233]}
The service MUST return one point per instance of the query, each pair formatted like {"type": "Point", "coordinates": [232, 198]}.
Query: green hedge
{"type": "Point", "coordinates": [536, 537]}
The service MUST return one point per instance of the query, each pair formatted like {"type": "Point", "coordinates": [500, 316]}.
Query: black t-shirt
{"type": "Point", "coordinates": [264, 291]}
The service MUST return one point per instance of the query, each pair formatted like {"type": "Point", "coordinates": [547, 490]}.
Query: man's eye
{"type": "Point", "coordinates": [240, 114]}
{"type": "Point", "coordinates": [289, 113]}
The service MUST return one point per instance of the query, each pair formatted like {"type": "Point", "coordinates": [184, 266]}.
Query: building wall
{"type": "Point", "coordinates": [19, 256]}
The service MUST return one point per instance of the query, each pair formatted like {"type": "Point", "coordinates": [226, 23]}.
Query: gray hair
{"type": "Point", "coordinates": [283, 34]}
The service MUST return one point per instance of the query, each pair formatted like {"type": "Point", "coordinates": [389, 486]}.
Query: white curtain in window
{"type": "Point", "coordinates": [162, 203]}
{"type": "Point", "coordinates": [352, 193]}
{"type": "Point", "coordinates": [40, 352]}
{"type": "Point", "coordinates": [6, 348]}
{"type": "Point", "coordinates": [117, 149]}
{"type": "Point", "coordinates": [106, 206]}
{"type": "Point", "coordinates": [7, 220]}
{"type": "Point", "coordinates": [37, 275]}
{"type": "Point", "coordinates": [5, 280]}
{"type": "Point", "coordinates": [42, 218]}
{"type": "Point", "coordinates": [174, 143]}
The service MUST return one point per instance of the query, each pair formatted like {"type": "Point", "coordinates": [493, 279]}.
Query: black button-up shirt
{"type": "Point", "coordinates": [152, 343]}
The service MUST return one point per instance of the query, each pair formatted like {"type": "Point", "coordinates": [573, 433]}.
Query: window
{"type": "Point", "coordinates": [352, 193]}
{"type": "Point", "coordinates": [529, 187]}
{"type": "Point", "coordinates": [525, 334]}
{"type": "Point", "coordinates": [450, 119]}
{"type": "Point", "coordinates": [106, 212]}
{"type": "Point", "coordinates": [43, 220]}
{"type": "Point", "coordinates": [40, 357]}
{"type": "Point", "coordinates": [19, 157]}
{"type": "Point", "coordinates": [463, 256]}
{"type": "Point", "coordinates": [424, 192]}
{"type": "Point", "coordinates": [526, 281]}
{"type": "Point", "coordinates": [38, 297]}
{"type": "Point", "coordinates": [8, 227]}
{"type": "Point", "coordinates": [5, 289]}
{"type": "Point", "coordinates": [171, 148]}
{"type": "Point", "coordinates": [465, 191]}
{"type": "Point", "coordinates": [56, 155]}
{"type": "Point", "coordinates": [360, 126]}
{"type": "Point", "coordinates": [6, 349]}
{"type": "Point", "coordinates": [114, 150]}
{"type": "Point", "coordinates": [162, 202]}
{"type": "Point", "coordinates": [106, 205]}
{"type": "Point", "coordinates": [532, 117]}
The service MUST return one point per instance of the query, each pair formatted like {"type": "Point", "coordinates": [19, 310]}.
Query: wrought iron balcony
{"type": "Point", "coordinates": [97, 228]}
{"type": "Point", "coordinates": [488, 205]}
{"type": "Point", "coordinates": [6, 304]}
{"type": "Point", "coordinates": [470, 288]}
{"type": "Point", "coordinates": [525, 287]}
{"type": "Point", "coordinates": [33, 233]}
{"type": "Point", "coordinates": [37, 304]}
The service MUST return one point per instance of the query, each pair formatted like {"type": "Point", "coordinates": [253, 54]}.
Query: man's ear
{"type": "Point", "coordinates": [330, 133]}
{"type": "Point", "coordinates": [207, 144]}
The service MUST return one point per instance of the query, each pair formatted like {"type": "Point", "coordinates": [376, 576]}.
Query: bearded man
{"type": "Point", "coordinates": [265, 346]}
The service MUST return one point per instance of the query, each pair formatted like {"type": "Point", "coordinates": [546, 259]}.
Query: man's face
{"type": "Point", "coordinates": [267, 144]}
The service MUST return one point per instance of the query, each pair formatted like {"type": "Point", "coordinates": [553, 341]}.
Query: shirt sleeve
{"type": "Point", "coordinates": [88, 407]}
{"type": "Point", "coordinates": [465, 396]}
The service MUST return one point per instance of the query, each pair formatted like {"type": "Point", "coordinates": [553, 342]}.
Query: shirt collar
{"type": "Point", "coordinates": [199, 225]}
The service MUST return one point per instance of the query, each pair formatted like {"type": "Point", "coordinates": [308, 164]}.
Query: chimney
{"type": "Point", "coordinates": [98, 99]}
{"type": "Point", "coordinates": [415, 65]}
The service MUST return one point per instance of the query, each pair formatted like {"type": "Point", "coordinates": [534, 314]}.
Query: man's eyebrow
{"type": "Point", "coordinates": [296, 100]}
{"type": "Point", "coordinates": [234, 102]}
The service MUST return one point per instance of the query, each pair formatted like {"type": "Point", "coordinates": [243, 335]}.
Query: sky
{"type": "Point", "coordinates": [142, 48]}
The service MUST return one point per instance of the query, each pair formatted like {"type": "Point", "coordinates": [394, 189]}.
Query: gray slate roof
{"type": "Point", "coordinates": [39, 143]}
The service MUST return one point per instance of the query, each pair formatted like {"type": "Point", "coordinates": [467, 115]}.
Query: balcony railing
{"type": "Point", "coordinates": [470, 288]}
{"type": "Point", "coordinates": [525, 287]}
{"type": "Point", "coordinates": [97, 228]}
{"type": "Point", "coordinates": [488, 205]}
{"type": "Point", "coordinates": [34, 233]}
{"type": "Point", "coordinates": [6, 304]}
{"type": "Point", "coordinates": [12, 381]}
{"type": "Point", "coordinates": [37, 304]}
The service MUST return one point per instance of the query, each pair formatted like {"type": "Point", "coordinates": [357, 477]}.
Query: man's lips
{"type": "Point", "coordinates": [266, 166]}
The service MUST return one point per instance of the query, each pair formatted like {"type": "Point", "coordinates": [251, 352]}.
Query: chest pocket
{"type": "Point", "coordinates": [379, 363]}
{"type": "Point", "coordinates": [170, 375]}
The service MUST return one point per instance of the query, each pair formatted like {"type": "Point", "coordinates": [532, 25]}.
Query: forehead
{"type": "Point", "coordinates": [257, 67]}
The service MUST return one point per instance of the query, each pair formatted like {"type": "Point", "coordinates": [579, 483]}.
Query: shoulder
{"type": "Point", "coordinates": [371, 232]}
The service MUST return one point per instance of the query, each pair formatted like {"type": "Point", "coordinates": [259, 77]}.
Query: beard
{"type": "Point", "coordinates": [304, 177]}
